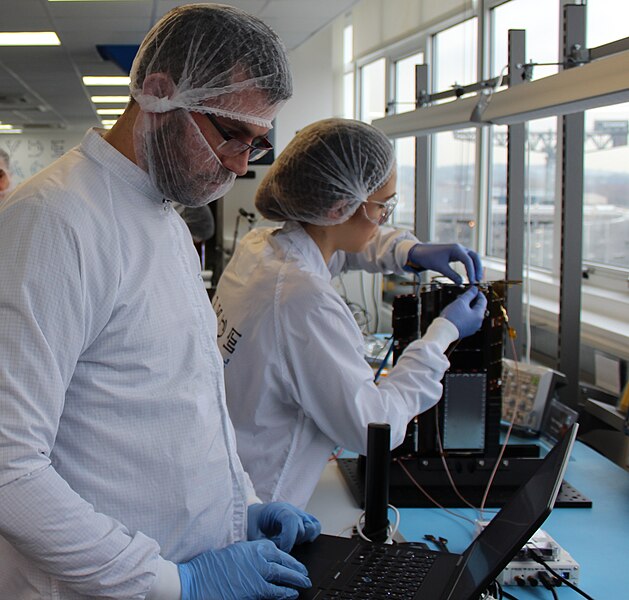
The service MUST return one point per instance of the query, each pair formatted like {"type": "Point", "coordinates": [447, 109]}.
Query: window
{"type": "Point", "coordinates": [348, 95]}
{"type": "Point", "coordinates": [404, 101]}
{"type": "Point", "coordinates": [405, 82]}
{"type": "Point", "coordinates": [542, 46]}
{"type": "Point", "coordinates": [542, 34]}
{"type": "Point", "coordinates": [372, 98]}
{"type": "Point", "coordinates": [606, 176]}
{"type": "Point", "coordinates": [606, 21]}
{"type": "Point", "coordinates": [404, 214]}
{"type": "Point", "coordinates": [497, 190]}
{"type": "Point", "coordinates": [539, 191]}
{"type": "Point", "coordinates": [455, 56]}
{"type": "Point", "coordinates": [453, 191]}
{"type": "Point", "coordinates": [348, 72]}
{"type": "Point", "coordinates": [468, 167]}
{"type": "Point", "coordinates": [454, 152]}
{"type": "Point", "coordinates": [348, 44]}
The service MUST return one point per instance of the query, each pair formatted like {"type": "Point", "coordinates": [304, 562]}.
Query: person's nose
{"type": "Point", "coordinates": [237, 164]}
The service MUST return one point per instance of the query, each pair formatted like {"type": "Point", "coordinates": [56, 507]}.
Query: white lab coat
{"type": "Point", "coordinates": [296, 379]}
{"type": "Point", "coordinates": [116, 450]}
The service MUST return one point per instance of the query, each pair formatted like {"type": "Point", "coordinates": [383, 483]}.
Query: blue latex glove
{"type": "Point", "coordinates": [282, 523]}
{"type": "Point", "coordinates": [243, 570]}
{"type": "Point", "coordinates": [437, 257]}
{"type": "Point", "coordinates": [467, 311]}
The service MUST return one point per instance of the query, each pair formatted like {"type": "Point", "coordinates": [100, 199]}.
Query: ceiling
{"type": "Point", "coordinates": [41, 87]}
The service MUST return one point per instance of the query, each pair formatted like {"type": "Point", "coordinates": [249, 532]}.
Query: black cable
{"type": "Point", "coordinates": [569, 583]}
{"type": "Point", "coordinates": [547, 582]}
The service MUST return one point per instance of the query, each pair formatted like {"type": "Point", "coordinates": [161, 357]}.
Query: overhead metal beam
{"type": "Point", "coordinates": [601, 82]}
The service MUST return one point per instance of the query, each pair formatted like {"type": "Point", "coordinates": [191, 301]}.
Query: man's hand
{"type": "Point", "coordinates": [282, 523]}
{"type": "Point", "coordinates": [243, 570]}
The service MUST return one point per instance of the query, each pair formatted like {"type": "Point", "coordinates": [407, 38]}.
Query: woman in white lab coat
{"type": "Point", "coordinates": [296, 379]}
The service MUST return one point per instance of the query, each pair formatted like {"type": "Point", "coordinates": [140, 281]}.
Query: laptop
{"type": "Point", "coordinates": [342, 568]}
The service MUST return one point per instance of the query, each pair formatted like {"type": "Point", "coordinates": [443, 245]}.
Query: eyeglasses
{"type": "Point", "coordinates": [386, 209]}
{"type": "Point", "coordinates": [233, 147]}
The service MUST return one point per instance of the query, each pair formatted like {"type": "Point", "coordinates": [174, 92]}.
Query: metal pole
{"type": "Point", "coordinates": [516, 180]}
{"type": "Point", "coordinates": [422, 166]}
{"type": "Point", "coordinates": [569, 328]}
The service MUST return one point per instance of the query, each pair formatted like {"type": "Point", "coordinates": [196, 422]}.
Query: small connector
{"type": "Point", "coordinates": [532, 581]}
{"type": "Point", "coordinates": [519, 580]}
{"type": "Point", "coordinates": [546, 580]}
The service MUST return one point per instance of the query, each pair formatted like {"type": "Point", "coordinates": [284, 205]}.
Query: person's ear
{"type": "Point", "coordinates": [338, 211]}
{"type": "Point", "coordinates": [159, 85]}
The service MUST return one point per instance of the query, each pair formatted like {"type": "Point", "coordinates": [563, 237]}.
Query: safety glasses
{"type": "Point", "coordinates": [233, 147]}
{"type": "Point", "coordinates": [386, 209]}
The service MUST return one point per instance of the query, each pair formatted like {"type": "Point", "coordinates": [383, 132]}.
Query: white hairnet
{"type": "Point", "coordinates": [326, 172]}
{"type": "Point", "coordinates": [215, 56]}
{"type": "Point", "coordinates": [207, 58]}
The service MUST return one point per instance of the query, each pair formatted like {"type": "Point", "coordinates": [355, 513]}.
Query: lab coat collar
{"type": "Point", "coordinates": [96, 148]}
{"type": "Point", "coordinates": [306, 246]}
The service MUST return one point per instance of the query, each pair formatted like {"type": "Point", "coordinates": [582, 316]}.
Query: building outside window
{"type": "Point", "coordinates": [542, 46]}
{"type": "Point", "coordinates": [404, 101]}
{"type": "Point", "coordinates": [454, 152]}
{"type": "Point", "coordinates": [606, 159]}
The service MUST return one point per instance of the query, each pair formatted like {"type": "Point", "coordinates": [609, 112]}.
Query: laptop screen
{"type": "Point", "coordinates": [518, 520]}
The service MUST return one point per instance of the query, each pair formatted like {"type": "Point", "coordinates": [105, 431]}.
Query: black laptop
{"type": "Point", "coordinates": [343, 569]}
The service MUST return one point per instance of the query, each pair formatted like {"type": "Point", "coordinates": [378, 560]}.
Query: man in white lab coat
{"type": "Point", "coordinates": [118, 469]}
{"type": "Point", "coordinates": [296, 379]}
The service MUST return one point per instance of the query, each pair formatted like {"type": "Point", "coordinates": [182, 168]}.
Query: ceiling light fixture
{"type": "Point", "coordinates": [110, 111]}
{"type": "Point", "coordinates": [95, 80]}
{"type": "Point", "coordinates": [110, 99]}
{"type": "Point", "coordinates": [29, 38]}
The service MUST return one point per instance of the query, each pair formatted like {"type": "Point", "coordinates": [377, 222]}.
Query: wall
{"type": "Point", "coordinates": [313, 85]}
{"type": "Point", "coordinates": [31, 152]}
{"type": "Point", "coordinates": [377, 25]}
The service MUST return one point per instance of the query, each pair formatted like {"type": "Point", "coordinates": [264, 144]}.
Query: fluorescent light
{"type": "Point", "coordinates": [4, 131]}
{"type": "Point", "coordinates": [110, 99]}
{"type": "Point", "coordinates": [108, 121]}
{"type": "Point", "coordinates": [602, 82]}
{"type": "Point", "coordinates": [6, 126]}
{"type": "Point", "coordinates": [447, 116]}
{"type": "Point", "coordinates": [110, 111]}
{"type": "Point", "coordinates": [29, 38]}
{"type": "Point", "coordinates": [91, 80]}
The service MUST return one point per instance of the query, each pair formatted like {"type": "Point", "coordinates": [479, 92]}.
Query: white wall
{"type": "Point", "coordinates": [30, 152]}
{"type": "Point", "coordinates": [313, 86]}
{"type": "Point", "coordinates": [378, 23]}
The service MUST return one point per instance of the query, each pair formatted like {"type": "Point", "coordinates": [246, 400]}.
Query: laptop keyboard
{"type": "Point", "coordinates": [383, 572]}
